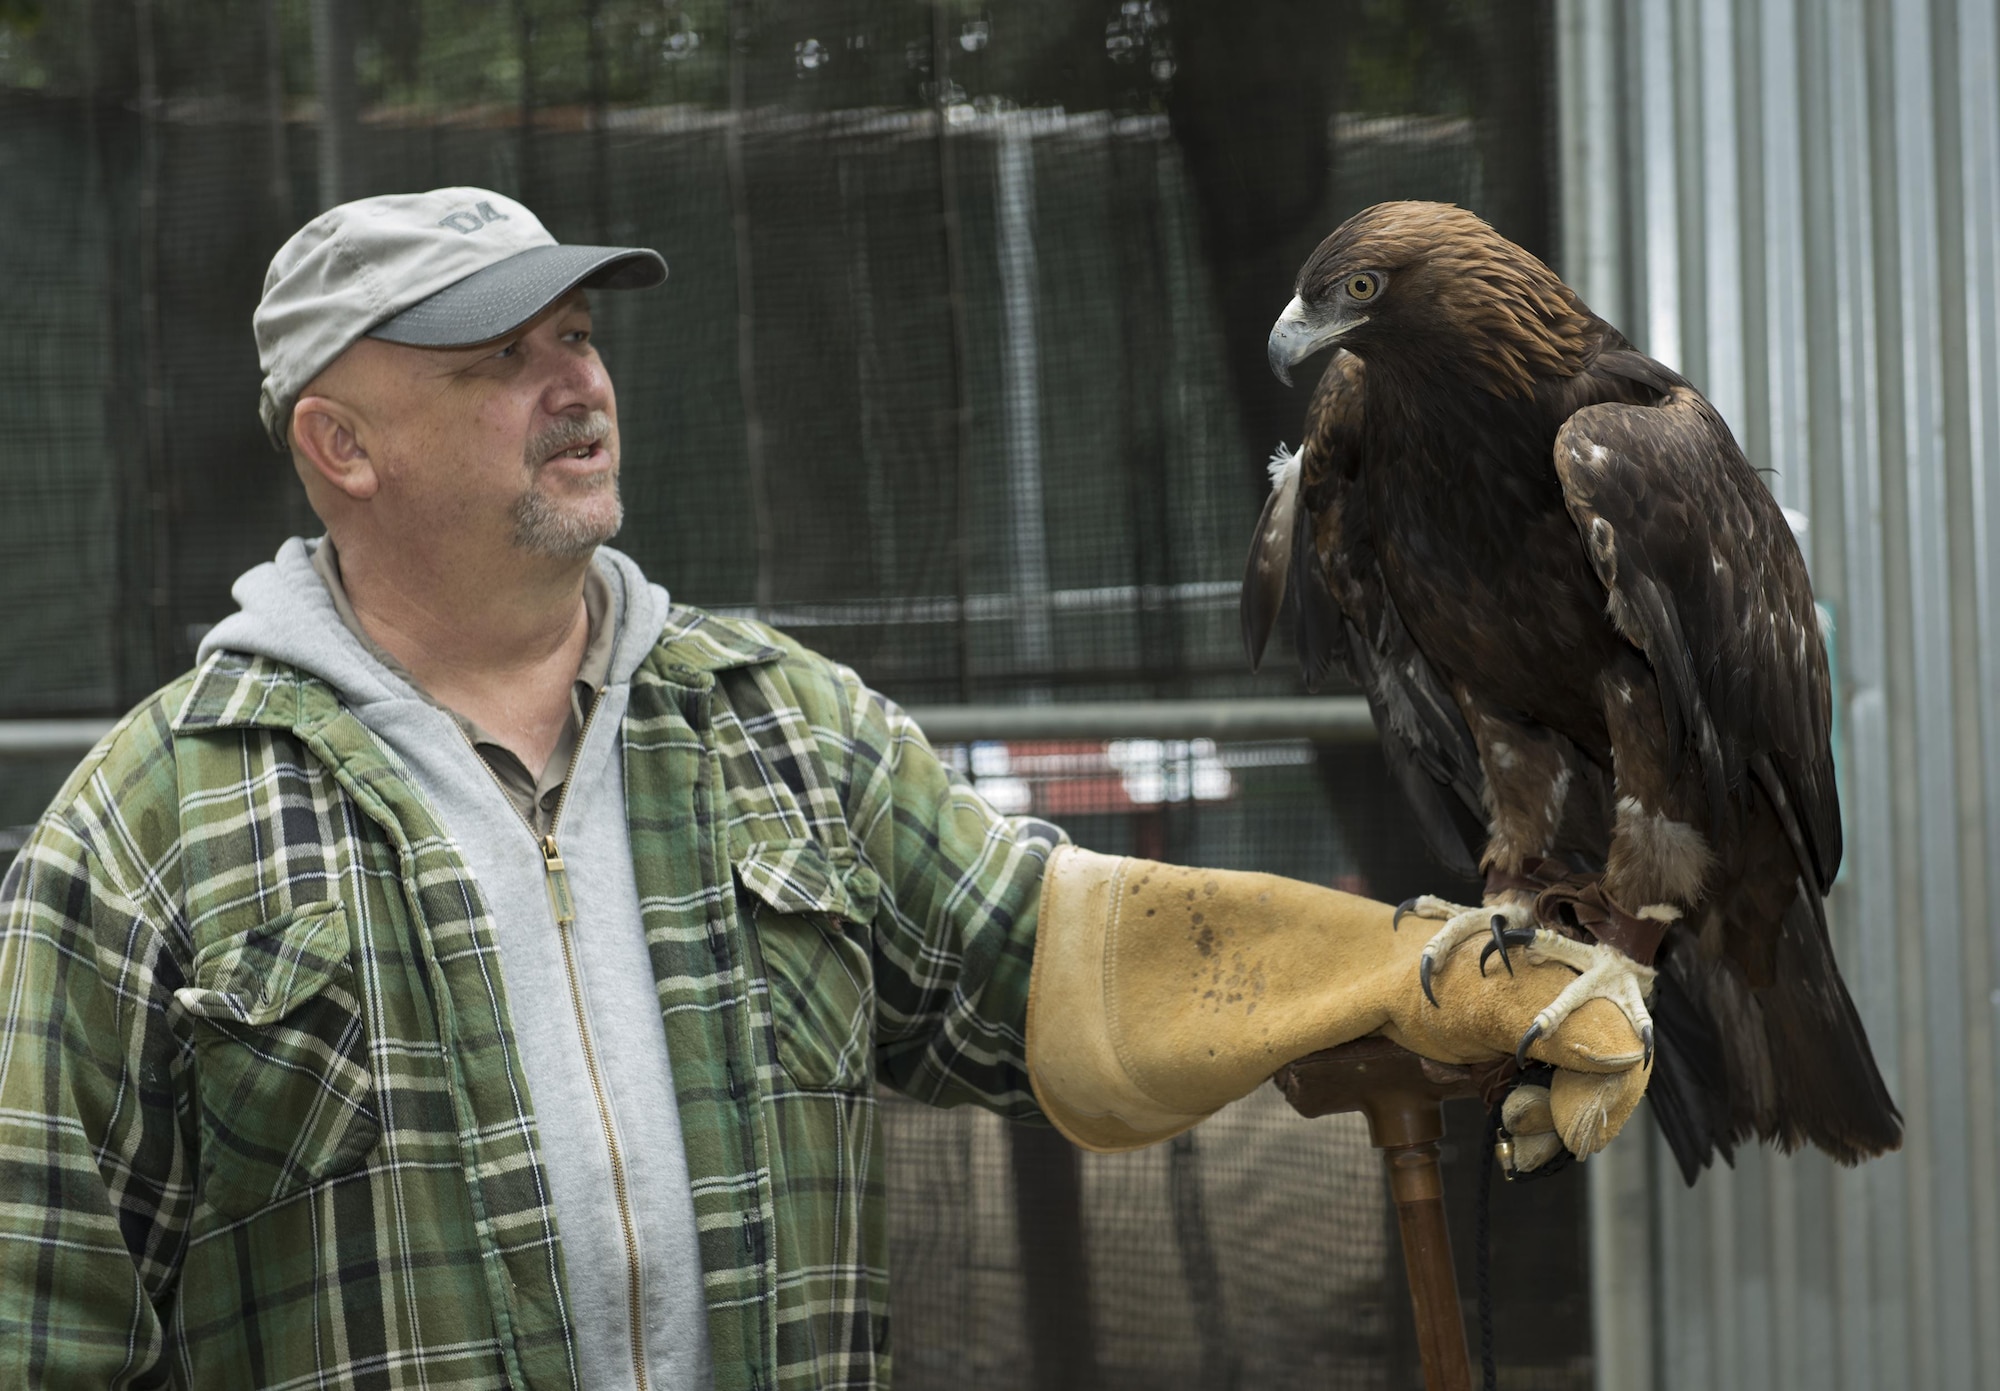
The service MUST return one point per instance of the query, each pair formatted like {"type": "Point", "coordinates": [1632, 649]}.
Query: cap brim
{"type": "Point", "coordinates": [502, 297]}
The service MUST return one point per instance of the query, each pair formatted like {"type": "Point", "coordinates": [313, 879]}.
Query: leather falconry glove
{"type": "Point", "coordinates": [1160, 994]}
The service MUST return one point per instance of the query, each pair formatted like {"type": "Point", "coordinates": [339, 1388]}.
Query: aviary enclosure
{"type": "Point", "coordinates": [959, 376]}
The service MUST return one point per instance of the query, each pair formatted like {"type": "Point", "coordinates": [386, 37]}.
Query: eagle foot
{"type": "Point", "coordinates": [1603, 973]}
{"type": "Point", "coordinates": [1505, 925]}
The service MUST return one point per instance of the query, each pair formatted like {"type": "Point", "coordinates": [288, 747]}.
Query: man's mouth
{"type": "Point", "coordinates": [584, 439]}
{"type": "Point", "coordinates": [577, 451]}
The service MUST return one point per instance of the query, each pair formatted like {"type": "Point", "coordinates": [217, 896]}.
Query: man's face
{"type": "Point", "coordinates": [515, 441]}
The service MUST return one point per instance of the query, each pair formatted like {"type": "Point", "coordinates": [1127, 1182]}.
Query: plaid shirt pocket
{"type": "Point", "coordinates": [281, 1060]}
{"type": "Point", "coordinates": [810, 924]}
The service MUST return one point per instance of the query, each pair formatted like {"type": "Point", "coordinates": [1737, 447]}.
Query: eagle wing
{"type": "Point", "coordinates": [1702, 574]}
{"type": "Point", "coordinates": [1315, 544]}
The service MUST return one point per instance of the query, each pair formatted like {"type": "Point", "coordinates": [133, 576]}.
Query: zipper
{"type": "Point", "coordinates": [557, 879]}
{"type": "Point", "coordinates": [562, 905]}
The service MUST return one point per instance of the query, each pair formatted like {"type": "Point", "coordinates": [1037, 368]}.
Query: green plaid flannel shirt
{"type": "Point", "coordinates": [262, 1122]}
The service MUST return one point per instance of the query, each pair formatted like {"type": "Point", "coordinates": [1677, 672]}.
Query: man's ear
{"type": "Point", "coordinates": [323, 433]}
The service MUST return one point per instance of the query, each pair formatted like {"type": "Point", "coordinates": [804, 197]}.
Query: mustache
{"type": "Point", "coordinates": [566, 434]}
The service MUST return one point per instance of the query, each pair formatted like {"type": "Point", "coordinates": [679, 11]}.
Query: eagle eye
{"type": "Point", "coordinates": [1362, 285]}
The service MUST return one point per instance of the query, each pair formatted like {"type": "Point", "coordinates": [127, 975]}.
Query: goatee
{"type": "Point", "coordinates": [565, 528]}
{"type": "Point", "coordinates": [544, 526]}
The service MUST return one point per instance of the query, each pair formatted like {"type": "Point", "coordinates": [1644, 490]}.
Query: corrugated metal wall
{"type": "Point", "coordinates": [1797, 203]}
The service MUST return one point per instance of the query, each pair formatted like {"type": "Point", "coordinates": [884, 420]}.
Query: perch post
{"type": "Point", "coordinates": [1402, 1096]}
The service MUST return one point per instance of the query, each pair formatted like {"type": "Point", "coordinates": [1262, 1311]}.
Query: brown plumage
{"type": "Point", "coordinates": [1589, 641]}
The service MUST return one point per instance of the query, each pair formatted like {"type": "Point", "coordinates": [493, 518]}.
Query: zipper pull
{"type": "Point", "coordinates": [563, 906]}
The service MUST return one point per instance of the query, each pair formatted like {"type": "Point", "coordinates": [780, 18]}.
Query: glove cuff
{"type": "Point", "coordinates": [1075, 1064]}
{"type": "Point", "coordinates": [1160, 994]}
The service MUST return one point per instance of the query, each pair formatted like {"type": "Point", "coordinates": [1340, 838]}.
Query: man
{"type": "Point", "coordinates": [478, 970]}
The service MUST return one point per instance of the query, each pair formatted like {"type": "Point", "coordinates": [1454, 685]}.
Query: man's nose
{"type": "Point", "coordinates": [580, 380]}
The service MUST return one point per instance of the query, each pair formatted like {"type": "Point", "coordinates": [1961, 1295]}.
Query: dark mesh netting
{"type": "Point", "coordinates": [959, 376]}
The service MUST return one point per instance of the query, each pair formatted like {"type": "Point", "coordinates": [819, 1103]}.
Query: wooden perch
{"type": "Point", "coordinates": [1401, 1094]}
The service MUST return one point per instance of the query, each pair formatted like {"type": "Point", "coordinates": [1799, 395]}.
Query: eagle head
{"type": "Point", "coordinates": [1433, 288]}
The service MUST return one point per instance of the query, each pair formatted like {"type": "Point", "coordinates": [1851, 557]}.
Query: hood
{"type": "Point", "coordinates": [286, 614]}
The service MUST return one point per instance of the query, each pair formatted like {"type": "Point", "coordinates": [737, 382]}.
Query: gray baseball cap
{"type": "Point", "coordinates": [444, 269]}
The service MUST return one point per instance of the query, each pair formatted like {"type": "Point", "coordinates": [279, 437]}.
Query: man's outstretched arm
{"type": "Point", "coordinates": [1154, 1004]}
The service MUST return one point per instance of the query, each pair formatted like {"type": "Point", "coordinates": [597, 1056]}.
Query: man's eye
{"type": "Point", "coordinates": [508, 351]}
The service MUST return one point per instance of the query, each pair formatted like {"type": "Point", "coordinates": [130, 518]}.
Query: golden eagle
{"type": "Point", "coordinates": [1590, 645]}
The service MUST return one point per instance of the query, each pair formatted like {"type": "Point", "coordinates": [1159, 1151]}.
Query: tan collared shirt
{"type": "Point", "coordinates": [537, 798]}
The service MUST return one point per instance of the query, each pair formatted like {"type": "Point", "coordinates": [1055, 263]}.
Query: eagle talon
{"type": "Point", "coordinates": [1506, 925]}
{"type": "Point", "coordinates": [1423, 906]}
{"type": "Point", "coordinates": [1504, 937]}
{"type": "Point", "coordinates": [1527, 1040]}
{"type": "Point", "coordinates": [1603, 973]}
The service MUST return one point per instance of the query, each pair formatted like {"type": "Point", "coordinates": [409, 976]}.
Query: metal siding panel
{"type": "Point", "coordinates": [1745, 54]}
{"type": "Point", "coordinates": [1874, 1323]}
{"type": "Point", "coordinates": [1660, 141]}
{"type": "Point", "coordinates": [1979, 175]}
{"type": "Point", "coordinates": [1739, 344]}
{"type": "Point", "coordinates": [1902, 1288]}
{"type": "Point", "coordinates": [1868, 133]}
{"type": "Point", "coordinates": [1601, 204]}
{"type": "Point", "coordinates": [1690, 205]}
{"type": "Point", "coordinates": [1781, 1199]}
{"type": "Point", "coordinates": [1783, 199]}
{"type": "Point", "coordinates": [1575, 127]}
{"type": "Point", "coordinates": [1592, 203]}
{"type": "Point", "coordinates": [1622, 1257]}
{"type": "Point", "coordinates": [1687, 1352]}
{"type": "Point", "coordinates": [1791, 1272]}
{"type": "Point", "coordinates": [1748, 1294]}
{"type": "Point", "coordinates": [1631, 78]}
{"type": "Point", "coordinates": [1721, 232]}
{"type": "Point", "coordinates": [1814, 1248]}
{"type": "Point", "coordinates": [1949, 1313]}
{"type": "Point", "coordinates": [1718, 1197]}
{"type": "Point", "coordinates": [1780, 193]}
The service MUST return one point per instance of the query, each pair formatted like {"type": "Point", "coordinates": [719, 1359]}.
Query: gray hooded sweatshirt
{"type": "Point", "coordinates": [601, 1028]}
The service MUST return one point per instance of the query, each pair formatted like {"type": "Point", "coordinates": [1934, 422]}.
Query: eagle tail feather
{"type": "Point", "coordinates": [1688, 1090]}
{"type": "Point", "coordinates": [1834, 1095]}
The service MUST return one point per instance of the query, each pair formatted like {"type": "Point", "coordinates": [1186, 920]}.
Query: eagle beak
{"type": "Point", "coordinates": [1299, 333]}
